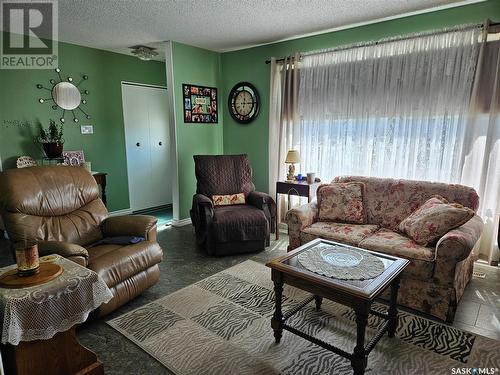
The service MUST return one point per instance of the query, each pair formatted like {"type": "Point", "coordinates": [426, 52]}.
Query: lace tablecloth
{"type": "Point", "coordinates": [41, 311]}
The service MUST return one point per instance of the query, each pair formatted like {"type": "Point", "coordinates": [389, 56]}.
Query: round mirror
{"type": "Point", "coordinates": [66, 95]}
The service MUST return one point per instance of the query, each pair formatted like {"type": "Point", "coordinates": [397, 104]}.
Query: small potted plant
{"type": "Point", "coordinates": [52, 140]}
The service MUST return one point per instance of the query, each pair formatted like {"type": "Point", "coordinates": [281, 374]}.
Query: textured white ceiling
{"type": "Point", "coordinates": [218, 25]}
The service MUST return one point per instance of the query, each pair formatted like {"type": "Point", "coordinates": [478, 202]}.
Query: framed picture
{"type": "Point", "coordinates": [200, 104]}
{"type": "Point", "coordinates": [73, 158]}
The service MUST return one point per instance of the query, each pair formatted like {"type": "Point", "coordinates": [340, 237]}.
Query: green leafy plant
{"type": "Point", "coordinates": [54, 133]}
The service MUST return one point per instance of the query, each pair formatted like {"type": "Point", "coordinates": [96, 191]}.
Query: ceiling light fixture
{"type": "Point", "coordinates": [143, 52]}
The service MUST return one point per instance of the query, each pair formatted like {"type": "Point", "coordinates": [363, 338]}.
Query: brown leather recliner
{"type": "Point", "coordinates": [59, 207]}
{"type": "Point", "coordinates": [223, 230]}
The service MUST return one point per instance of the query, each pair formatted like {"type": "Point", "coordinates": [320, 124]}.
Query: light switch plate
{"type": "Point", "coordinates": [87, 129]}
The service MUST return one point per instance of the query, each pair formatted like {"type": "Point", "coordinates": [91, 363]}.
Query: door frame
{"type": "Point", "coordinates": [174, 157]}
{"type": "Point", "coordinates": [172, 144]}
{"type": "Point", "coordinates": [143, 85]}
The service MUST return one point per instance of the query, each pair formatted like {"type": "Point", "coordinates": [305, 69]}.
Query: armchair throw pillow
{"type": "Point", "coordinates": [227, 200]}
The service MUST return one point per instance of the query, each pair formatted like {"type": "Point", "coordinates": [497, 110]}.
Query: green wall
{"type": "Point", "coordinates": [106, 147]}
{"type": "Point", "coordinates": [201, 67]}
{"type": "Point", "coordinates": [248, 65]}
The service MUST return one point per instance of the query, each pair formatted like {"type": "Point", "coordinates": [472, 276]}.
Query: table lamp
{"type": "Point", "coordinates": [292, 158]}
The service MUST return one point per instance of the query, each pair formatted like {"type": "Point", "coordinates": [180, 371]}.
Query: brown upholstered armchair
{"type": "Point", "coordinates": [59, 207]}
{"type": "Point", "coordinates": [233, 229]}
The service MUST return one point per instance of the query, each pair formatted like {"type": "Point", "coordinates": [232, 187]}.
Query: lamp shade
{"type": "Point", "coordinates": [292, 157]}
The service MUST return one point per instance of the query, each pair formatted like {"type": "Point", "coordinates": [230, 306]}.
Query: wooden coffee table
{"type": "Point", "coordinates": [357, 294]}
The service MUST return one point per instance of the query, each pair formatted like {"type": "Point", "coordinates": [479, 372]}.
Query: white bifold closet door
{"type": "Point", "coordinates": [147, 139]}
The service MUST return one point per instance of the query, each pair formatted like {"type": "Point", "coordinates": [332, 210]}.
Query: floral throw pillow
{"type": "Point", "coordinates": [434, 219]}
{"type": "Point", "coordinates": [226, 200]}
{"type": "Point", "coordinates": [342, 202]}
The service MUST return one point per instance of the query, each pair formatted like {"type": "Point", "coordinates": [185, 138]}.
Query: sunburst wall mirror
{"type": "Point", "coordinates": [66, 95]}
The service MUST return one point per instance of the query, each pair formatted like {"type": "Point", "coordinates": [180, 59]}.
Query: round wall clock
{"type": "Point", "coordinates": [244, 102]}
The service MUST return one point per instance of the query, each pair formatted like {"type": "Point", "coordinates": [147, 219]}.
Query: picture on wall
{"type": "Point", "coordinates": [73, 158]}
{"type": "Point", "coordinates": [200, 104]}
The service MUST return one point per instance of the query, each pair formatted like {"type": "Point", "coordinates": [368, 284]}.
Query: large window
{"type": "Point", "coordinates": [397, 109]}
{"type": "Point", "coordinates": [420, 149]}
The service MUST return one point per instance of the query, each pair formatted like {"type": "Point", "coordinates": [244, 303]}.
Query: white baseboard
{"type": "Point", "coordinates": [126, 211]}
{"type": "Point", "coordinates": [181, 223]}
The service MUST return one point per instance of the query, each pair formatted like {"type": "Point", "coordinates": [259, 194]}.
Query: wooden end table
{"type": "Point", "coordinates": [38, 332]}
{"type": "Point", "coordinates": [301, 189]}
{"type": "Point", "coordinates": [357, 294]}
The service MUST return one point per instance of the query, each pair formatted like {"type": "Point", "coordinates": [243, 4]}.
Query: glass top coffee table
{"type": "Point", "coordinates": [344, 274]}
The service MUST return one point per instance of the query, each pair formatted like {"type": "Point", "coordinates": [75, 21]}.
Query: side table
{"type": "Point", "coordinates": [52, 161]}
{"type": "Point", "coordinates": [301, 189]}
{"type": "Point", "coordinates": [100, 178]}
{"type": "Point", "coordinates": [38, 331]}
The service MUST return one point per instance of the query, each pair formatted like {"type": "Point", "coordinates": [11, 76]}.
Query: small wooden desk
{"type": "Point", "coordinates": [301, 189]}
{"type": "Point", "coordinates": [100, 178]}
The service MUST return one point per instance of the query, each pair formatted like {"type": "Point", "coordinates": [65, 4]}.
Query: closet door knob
{"type": "Point", "coordinates": [138, 144]}
{"type": "Point", "coordinates": [160, 143]}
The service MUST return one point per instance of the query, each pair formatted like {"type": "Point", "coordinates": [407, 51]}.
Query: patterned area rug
{"type": "Point", "coordinates": [221, 325]}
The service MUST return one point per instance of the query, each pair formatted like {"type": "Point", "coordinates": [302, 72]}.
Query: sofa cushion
{"type": "Point", "coordinates": [433, 219]}
{"type": "Point", "coordinates": [115, 264]}
{"type": "Point", "coordinates": [347, 233]}
{"type": "Point", "coordinates": [100, 250]}
{"type": "Point", "coordinates": [421, 258]}
{"type": "Point", "coordinates": [389, 201]}
{"type": "Point", "coordinates": [341, 202]}
{"type": "Point", "coordinates": [239, 223]}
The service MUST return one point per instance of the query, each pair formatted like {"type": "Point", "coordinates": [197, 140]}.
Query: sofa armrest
{"type": "Point", "coordinates": [297, 219]}
{"type": "Point", "coordinates": [200, 199]}
{"type": "Point", "coordinates": [259, 199]}
{"type": "Point", "coordinates": [264, 202]}
{"type": "Point", "coordinates": [130, 225]}
{"type": "Point", "coordinates": [454, 247]}
{"type": "Point", "coordinates": [202, 212]}
{"type": "Point", "coordinates": [64, 249]}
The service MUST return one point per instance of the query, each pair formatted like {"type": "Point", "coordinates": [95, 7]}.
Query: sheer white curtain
{"type": "Point", "coordinates": [426, 107]}
{"type": "Point", "coordinates": [394, 109]}
{"type": "Point", "coordinates": [481, 156]}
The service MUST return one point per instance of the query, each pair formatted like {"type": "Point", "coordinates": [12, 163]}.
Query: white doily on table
{"type": "Point", "coordinates": [341, 262]}
{"type": "Point", "coordinates": [41, 311]}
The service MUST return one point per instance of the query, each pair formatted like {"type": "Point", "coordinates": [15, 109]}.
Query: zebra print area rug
{"type": "Point", "coordinates": [221, 325]}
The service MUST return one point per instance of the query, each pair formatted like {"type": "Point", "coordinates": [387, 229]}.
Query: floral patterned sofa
{"type": "Point", "coordinates": [435, 280]}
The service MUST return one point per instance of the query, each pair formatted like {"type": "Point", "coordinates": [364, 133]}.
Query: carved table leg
{"type": "Point", "coordinates": [359, 359]}
{"type": "Point", "coordinates": [393, 308]}
{"type": "Point", "coordinates": [318, 300]}
{"type": "Point", "coordinates": [277, 320]}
